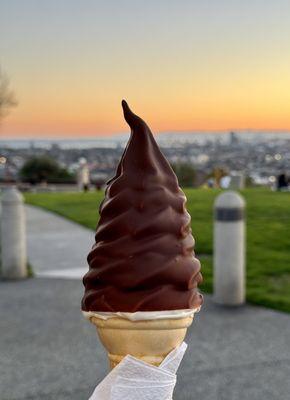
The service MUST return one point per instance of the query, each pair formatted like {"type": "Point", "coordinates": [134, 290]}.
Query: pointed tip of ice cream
{"type": "Point", "coordinates": [131, 118]}
{"type": "Point", "coordinates": [128, 114]}
{"type": "Point", "coordinates": [124, 105]}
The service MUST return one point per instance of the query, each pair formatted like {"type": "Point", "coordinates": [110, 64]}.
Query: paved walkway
{"type": "Point", "coordinates": [49, 352]}
{"type": "Point", "coordinates": [57, 247]}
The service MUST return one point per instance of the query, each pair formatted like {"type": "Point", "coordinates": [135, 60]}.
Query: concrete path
{"type": "Point", "coordinates": [49, 352]}
{"type": "Point", "coordinates": [57, 247]}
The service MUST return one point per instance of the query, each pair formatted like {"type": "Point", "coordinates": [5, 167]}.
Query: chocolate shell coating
{"type": "Point", "coordinates": [143, 258]}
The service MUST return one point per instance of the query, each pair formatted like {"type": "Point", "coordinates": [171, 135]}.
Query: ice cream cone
{"type": "Point", "coordinates": [149, 340]}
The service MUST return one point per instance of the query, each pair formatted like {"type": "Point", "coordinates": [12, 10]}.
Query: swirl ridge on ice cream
{"type": "Point", "coordinates": [143, 258]}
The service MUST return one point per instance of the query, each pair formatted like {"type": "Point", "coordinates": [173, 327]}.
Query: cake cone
{"type": "Point", "coordinates": [149, 340]}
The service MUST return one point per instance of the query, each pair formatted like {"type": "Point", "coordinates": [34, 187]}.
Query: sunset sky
{"type": "Point", "coordinates": [183, 65]}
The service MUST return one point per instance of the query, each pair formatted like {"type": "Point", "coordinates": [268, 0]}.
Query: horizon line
{"type": "Point", "coordinates": [172, 132]}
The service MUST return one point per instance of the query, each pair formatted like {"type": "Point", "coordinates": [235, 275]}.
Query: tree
{"type": "Point", "coordinates": [7, 97]}
{"type": "Point", "coordinates": [185, 173]}
{"type": "Point", "coordinates": [44, 169]}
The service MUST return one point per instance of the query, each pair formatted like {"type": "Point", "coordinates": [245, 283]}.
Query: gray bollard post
{"type": "Point", "coordinates": [229, 249]}
{"type": "Point", "coordinates": [13, 235]}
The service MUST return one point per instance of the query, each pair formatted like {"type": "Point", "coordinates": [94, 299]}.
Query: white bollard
{"type": "Point", "coordinates": [83, 177]}
{"type": "Point", "coordinates": [229, 249]}
{"type": "Point", "coordinates": [13, 235]}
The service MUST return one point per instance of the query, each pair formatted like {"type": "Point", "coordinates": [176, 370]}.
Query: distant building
{"type": "Point", "coordinates": [234, 139]}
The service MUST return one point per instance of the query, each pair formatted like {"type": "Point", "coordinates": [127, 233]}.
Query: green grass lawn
{"type": "Point", "coordinates": [268, 235]}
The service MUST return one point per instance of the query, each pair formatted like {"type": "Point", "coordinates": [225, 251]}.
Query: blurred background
{"type": "Point", "coordinates": [211, 78]}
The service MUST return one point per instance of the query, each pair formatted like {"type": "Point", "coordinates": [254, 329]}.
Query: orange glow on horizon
{"type": "Point", "coordinates": [108, 120]}
{"type": "Point", "coordinates": [208, 103]}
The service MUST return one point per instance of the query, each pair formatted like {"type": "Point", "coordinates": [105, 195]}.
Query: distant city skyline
{"type": "Point", "coordinates": [182, 65]}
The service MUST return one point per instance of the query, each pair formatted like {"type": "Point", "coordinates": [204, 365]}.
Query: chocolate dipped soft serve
{"type": "Point", "coordinates": [143, 258]}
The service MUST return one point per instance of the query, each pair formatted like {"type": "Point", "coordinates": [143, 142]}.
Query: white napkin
{"type": "Point", "coordinates": [134, 379]}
